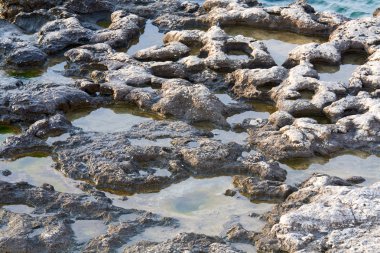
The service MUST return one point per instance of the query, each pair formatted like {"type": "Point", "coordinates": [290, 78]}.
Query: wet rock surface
{"type": "Point", "coordinates": [200, 103]}
{"type": "Point", "coordinates": [128, 167]}
{"type": "Point", "coordinates": [49, 225]}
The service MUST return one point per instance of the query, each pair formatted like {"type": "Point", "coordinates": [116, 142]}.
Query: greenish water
{"type": "Point", "coordinates": [7, 131]}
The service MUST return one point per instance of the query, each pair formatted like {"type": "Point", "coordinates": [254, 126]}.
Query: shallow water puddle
{"type": "Point", "coordinates": [154, 234]}
{"type": "Point", "coordinates": [200, 205]}
{"type": "Point", "coordinates": [226, 99]}
{"type": "Point", "coordinates": [110, 120]}
{"type": "Point", "coordinates": [230, 136]}
{"type": "Point", "coordinates": [248, 248]}
{"type": "Point", "coordinates": [97, 20]}
{"type": "Point", "coordinates": [151, 36]}
{"type": "Point", "coordinates": [52, 72]}
{"type": "Point", "coordinates": [37, 171]}
{"type": "Point", "coordinates": [239, 118]}
{"type": "Point", "coordinates": [260, 110]}
{"type": "Point", "coordinates": [85, 230]}
{"type": "Point", "coordinates": [279, 43]}
{"type": "Point", "coordinates": [19, 208]}
{"type": "Point", "coordinates": [237, 55]}
{"type": "Point", "coordinates": [164, 142]}
{"type": "Point", "coordinates": [5, 132]}
{"type": "Point", "coordinates": [342, 73]}
{"type": "Point", "coordinates": [343, 166]}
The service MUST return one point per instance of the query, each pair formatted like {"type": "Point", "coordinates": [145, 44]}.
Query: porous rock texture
{"type": "Point", "coordinates": [177, 81]}
{"type": "Point", "coordinates": [326, 214]}
{"type": "Point", "coordinates": [48, 226]}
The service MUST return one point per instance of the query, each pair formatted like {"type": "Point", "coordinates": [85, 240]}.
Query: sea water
{"type": "Point", "coordinates": [348, 8]}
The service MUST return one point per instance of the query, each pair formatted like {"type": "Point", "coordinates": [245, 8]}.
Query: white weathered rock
{"type": "Point", "coordinates": [325, 216]}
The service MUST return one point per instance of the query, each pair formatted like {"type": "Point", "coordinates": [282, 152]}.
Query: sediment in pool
{"type": "Point", "coordinates": [200, 206]}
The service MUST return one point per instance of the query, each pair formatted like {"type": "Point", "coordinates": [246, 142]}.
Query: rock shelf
{"type": "Point", "coordinates": [205, 99]}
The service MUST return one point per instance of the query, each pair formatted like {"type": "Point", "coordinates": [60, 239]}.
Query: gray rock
{"type": "Point", "coordinates": [169, 52]}
{"type": "Point", "coordinates": [193, 103]}
{"type": "Point", "coordinates": [258, 189]}
{"type": "Point", "coordinates": [323, 215]}
{"type": "Point", "coordinates": [256, 83]}
{"type": "Point", "coordinates": [182, 243]}
{"type": "Point", "coordinates": [47, 228]}
{"type": "Point", "coordinates": [59, 34]}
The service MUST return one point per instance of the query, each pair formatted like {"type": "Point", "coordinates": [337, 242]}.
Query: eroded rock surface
{"type": "Point", "coordinates": [133, 168]}
{"type": "Point", "coordinates": [325, 214]}
{"type": "Point", "coordinates": [50, 225]}
{"type": "Point", "coordinates": [177, 80]}
{"type": "Point", "coordinates": [184, 242]}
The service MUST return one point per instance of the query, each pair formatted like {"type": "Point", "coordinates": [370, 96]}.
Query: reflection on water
{"type": "Point", "coordinates": [85, 230]}
{"type": "Point", "coordinates": [200, 206]}
{"type": "Point", "coordinates": [342, 73]}
{"type": "Point", "coordinates": [19, 208]}
{"type": "Point", "coordinates": [279, 43]}
{"type": "Point", "coordinates": [248, 248]}
{"type": "Point", "coordinates": [344, 166]}
{"type": "Point", "coordinates": [150, 37]}
{"type": "Point", "coordinates": [226, 99]}
{"type": "Point", "coordinates": [239, 118]}
{"type": "Point", "coordinates": [230, 136]}
{"type": "Point", "coordinates": [154, 234]}
{"type": "Point", "coordinates": [237, 55]}
{"type": "Point", "coordinates": [164, 142]}
{"type": "Point", "coordinates": [37, 171]}
{"type": "Point", "coordinates": [113, 119]}
{"type": "Point", "coordinates": [52, 72]}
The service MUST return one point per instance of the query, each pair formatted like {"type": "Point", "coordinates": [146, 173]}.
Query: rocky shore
{"type": "Point", "coordinates": [178, 88]}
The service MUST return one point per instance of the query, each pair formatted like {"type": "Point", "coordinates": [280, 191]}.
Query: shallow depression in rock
{"type": "Point", "coordinates": [344, 166]}
{"type": "Point", "coordinates": [37, 171]}
{"type": "Point", "coordinates": [5, 132]}
{"type": "Point", "coordinates": [113, 119]}
{"type": "Point", "coordinates": [151, 36]}
{"type": "Point", "coordinates": [53, 72]}
{"type": "Point", "coordinates": [342, 73]}
{"type": "Point", "coordinates": [200, 206]}
{"type": "Point", "coordinates": [278, 43]}
{"type": "Point", "coordinates": [85, 230]}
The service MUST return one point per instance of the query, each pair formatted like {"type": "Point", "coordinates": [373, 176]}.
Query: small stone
{"type": "Point", "coordinates": [48, 187]}
{"type": "Point", "coordinates": [124, 198]}
{"type": "Point", "coordinates": [254, 215]}
{"type": "Point", "coordinates": [230, 192]}
{"type": "Point", "coordinates": [6, 173]}
{"type": "Point", "coordinates": [356, 179]}
{"type": "Point", "coordinates": [377, 12]}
